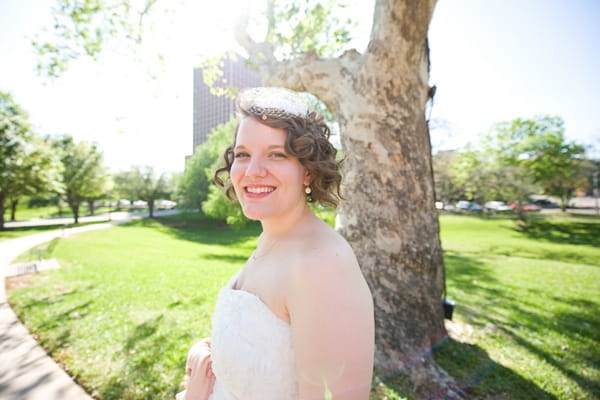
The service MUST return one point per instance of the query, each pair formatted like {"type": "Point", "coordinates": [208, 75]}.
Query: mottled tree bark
{"type": "Point", "coordinates": [389, 215]}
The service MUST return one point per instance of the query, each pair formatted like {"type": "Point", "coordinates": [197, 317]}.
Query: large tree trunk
{"type": "Point", "coordinates": [389, 214]}
{"type": "Point", "coordinates": [391, 222]}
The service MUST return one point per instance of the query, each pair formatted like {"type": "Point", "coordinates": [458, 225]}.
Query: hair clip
{"type": "Point", "coordinates": [273, 102]}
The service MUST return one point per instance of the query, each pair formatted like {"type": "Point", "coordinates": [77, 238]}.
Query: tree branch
{"type": "Point", "coordinates": [400, 27]}
{"type": "Point", "coordinates": [309, 72]}
{"type": "Point", "coordinates": [261, 52]}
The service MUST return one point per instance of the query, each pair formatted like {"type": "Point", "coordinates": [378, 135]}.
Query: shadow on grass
{"type": "Point", "coordinates": [145, 364]}
{"type": "Point", "coordinates": [200, 229]}
{"type": "Point", "coordinates": [53, 298]}
{"type": "Point", "coordinates": [470, 275]}
{"type": "Point", "coordinates": [533, 322]}
{"type": "Point", "coordinates": [563, 232]}
{"type": "Point", "coordinates": [479, 376]}
{"type": "Point", "coordinates": [476, 374]}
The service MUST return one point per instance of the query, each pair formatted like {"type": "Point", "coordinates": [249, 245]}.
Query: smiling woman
{"type": "Point", "coordinates": [278, 332]}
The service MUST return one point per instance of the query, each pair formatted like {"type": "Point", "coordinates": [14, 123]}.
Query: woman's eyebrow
{"type": "Point", "coordinates": [270, 147]}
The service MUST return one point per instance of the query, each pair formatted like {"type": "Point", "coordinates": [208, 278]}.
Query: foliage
{"type": "Point", "coordinates": [82, 28]}
{"type": "Point", "coordinates": [514, 160]}
{"type": "Point", "coordinates": [218, 206]}
{"type": "Point", "coordinates": [84, 174]}
{"type": "Point", "coordinates": [124, 185]}
{"type": "Point", "coordinates": [484, 175]}
{"type": "Point", "coordinates": [298, 27]}
{"type": "Point", "coordinates": [540, 147]}
{"type": "Point", "coordinates": [524, 326]}
{"type": "Point", "coordinates": [27, 164]}
{"type": "Point", "coordinates": [212, 74]}
{"type": "Point", "coordinates": [148, 186]}
{"type": "Point", "coordinates": [193, 188]}
{"type": "Point", "coordinates": [447, 188]}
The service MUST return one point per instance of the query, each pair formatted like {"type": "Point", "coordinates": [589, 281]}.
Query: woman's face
{"type": "Point", "coordinates": [268, 182]}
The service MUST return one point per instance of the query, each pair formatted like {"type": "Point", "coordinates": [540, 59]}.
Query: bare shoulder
{"type": "Point", "coordinates": [326, 255]}
{"type": "Point", "coordinates": [328, 267]}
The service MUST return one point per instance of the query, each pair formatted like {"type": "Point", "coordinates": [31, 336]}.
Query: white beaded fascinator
{"type": "Point", "coordinates": [273, 102]}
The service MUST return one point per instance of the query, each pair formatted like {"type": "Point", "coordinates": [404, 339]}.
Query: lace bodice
{"type": "Point", "coordinates": [252, 354]}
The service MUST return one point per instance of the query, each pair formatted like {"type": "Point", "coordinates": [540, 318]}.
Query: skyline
{"type": "Point", "coordinates": [490, 61]}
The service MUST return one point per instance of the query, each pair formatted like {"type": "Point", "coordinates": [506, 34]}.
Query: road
{"type": "Point", "coordinates": [113, 216]}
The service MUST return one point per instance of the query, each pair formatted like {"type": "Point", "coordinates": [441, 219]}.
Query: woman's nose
{"type": "Point", "coordinates": [256, 167]}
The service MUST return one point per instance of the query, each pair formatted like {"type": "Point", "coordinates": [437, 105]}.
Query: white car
{"type": "Point", "coordinates": [498, 206]}
{"type": "Point", "coordinates": [165, 204]}
{"type": "Point", "coordinates": [140, 204]}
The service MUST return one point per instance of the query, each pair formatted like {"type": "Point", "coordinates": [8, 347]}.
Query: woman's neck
{"type": "Point", "coordinates": [282, 226]}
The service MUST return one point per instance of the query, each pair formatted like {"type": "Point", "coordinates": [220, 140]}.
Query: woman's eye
{"type": "Point", "coordinates": [278, 155]}
{"type": "Point", "coordinates": [241, 155]}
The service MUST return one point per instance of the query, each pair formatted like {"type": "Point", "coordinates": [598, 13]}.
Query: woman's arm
{"type": "Point", "coordinates": [331, 314]}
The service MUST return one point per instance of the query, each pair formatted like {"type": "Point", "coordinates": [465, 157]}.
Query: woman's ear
{"type": "Point", "coordinates": [306, 178]}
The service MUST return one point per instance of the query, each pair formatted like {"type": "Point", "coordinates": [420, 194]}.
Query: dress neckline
{"type": "Point", "coordinates": [231, 288]}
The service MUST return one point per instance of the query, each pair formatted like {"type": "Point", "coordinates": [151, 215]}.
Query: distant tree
{"type": "Point", "coordinates": [447, 189]}
{"type": "Point", "coordinates": [587, 175]}
{"type": "Point", "coordinates": [149, 187]}
{"type": "Point", "coordinates": [539, 146]}
{"type": "Point", "coordinates": [83, 175]}
{"type": "Point", "coordinates": [125, 186]}
{"type": "Point", "coordinates": [27, 166]}
{"type": "Point", "coordinates": [484, 174]}
{"type": "Point", "coordinates": [38, 174]}
{"type": "Point", "coordinates": [193, 187]}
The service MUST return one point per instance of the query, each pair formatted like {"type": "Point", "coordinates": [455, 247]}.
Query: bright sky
{"type": "Point", "coordinates": [492, 60]}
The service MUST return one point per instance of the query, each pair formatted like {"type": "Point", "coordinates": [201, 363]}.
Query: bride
{"type": "Point", "coordinates": [297, 321]}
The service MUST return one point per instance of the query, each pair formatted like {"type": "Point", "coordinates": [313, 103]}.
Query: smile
{"type": "Point", "coordinates": [259, 189]}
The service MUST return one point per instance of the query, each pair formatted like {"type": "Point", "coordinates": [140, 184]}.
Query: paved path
{"type": "Point", "coordinates": [26, 371]}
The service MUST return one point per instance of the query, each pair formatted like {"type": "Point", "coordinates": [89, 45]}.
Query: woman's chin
{"type": "Point", "coordinates": [254, 214]}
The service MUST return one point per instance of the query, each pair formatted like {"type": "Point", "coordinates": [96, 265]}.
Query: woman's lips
{"type": "Point", "coordinates": [257, 191]}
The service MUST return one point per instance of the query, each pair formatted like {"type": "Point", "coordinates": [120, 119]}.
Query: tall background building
{"type": "Point", "coordinates": [211, 110]}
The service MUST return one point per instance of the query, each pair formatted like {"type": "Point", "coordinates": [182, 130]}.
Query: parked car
{"type": "Point", "coordinates": [163, 204]}
{"type": "Point", "coordinates": [140, 204]}
{"type": "Point", "coordinates": [497, 206]}
{"type": "Point", "coordinates": [124, 203]}
{"type": "Point", "coordinates": [525, 206]}
{"type": "Point", "coordinates": [545, 203]}
{"type": "Point", "coordinates": [468, 206]}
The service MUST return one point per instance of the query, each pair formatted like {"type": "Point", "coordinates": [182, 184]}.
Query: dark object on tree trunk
{"type": "Point", "coordinates": [448, 308]}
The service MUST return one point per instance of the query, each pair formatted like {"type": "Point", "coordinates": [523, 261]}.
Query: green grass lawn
{"type": "Point", "coordinates": [132, 299]}
{"type": "Point", "coordinates": [527, 308]}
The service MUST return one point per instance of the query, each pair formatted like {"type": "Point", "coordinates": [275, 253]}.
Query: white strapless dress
{"type": "Point", "coordinates": [252, 354]}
